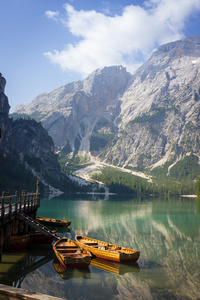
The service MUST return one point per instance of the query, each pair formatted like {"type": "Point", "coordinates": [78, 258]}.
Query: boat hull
{"type": "Point", "coordinates": [70, 254]}
{"type": "Point", "coordinates": [53, 222]}
{"type": "Point", "coordinates": [17, 241]}
{"type": "Point", "coordinates": [108, 251]}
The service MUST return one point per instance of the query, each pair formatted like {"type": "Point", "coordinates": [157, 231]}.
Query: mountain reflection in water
{"type": "Point", "coordinates": [166, 232]}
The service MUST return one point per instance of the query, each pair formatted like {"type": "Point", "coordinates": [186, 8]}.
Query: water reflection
{"type": "Point", "coordinates": [166, 232]}
{"type": "Point", "coordinates": [67, 273]}
{"type": "Point", "coordinates": [114, 267]}
{"type": "Point", "coordinates": [15, 266]}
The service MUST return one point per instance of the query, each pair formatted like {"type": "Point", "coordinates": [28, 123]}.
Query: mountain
{"type": "Point", "coordinates": [143, 120]}
{"type": "Point", "coordinates": [26, 152]}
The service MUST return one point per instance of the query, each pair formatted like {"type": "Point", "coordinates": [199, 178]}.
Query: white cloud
{"type": "Point", "coordinates": [52, 14]}
{"type": "Point", "coordinates": [127, 39]}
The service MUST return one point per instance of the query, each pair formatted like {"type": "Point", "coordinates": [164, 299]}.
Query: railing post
{"type": "Point", "coordinates": [3, 209]}
{"type": "Point", "coordinates": [28, 202]}
{"type": "Point", "coordinates": [10, 208]}
{"type": "Point", "coordinates": [16, 208]}
{"type": "Point", "coordinates": [1, 242]}
{"type": "Point", "coordinates": [31, 201]}
{"type": "Point", "coordinates": [20, 202]}
{"type": "Point", "coordinates": [24, 200]}
{"type": "Point", "coordinates": [38, 194]}
{"type": "Point", "coordinates": [38, 187]}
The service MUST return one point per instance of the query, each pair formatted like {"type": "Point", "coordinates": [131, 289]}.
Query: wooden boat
{"type": "Point", "coordinates": [70, 254]}
{"type": "Point", "coordinates": [108, 251]}
{"type": "Point", "coordinates": [40, 238]}
{"type": "Point", "coordinates": [17, 241]}
{"type": "Point", "coordinates": [53, 222]}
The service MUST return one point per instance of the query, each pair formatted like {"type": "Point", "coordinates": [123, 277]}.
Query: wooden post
{"type": "Point", "coordinates": [21, 227]}
{"type": "Point", "coordinates": [8, 235]}
{"type": "Point", "coordinates": [24, 200]}
{"type": "Point", "coordinates": [20, 203]}
{"type": "Point", "coordinates": [38, 193]}
{"type": "Point", "coordinates": [15, 226]}
{"type": "Point", "coordinates": [38, 187]}
{"type": "Point", "coordinates": [26, 228]}
{"type": "Point", "coordinates": [28, 202]}
{"type": "Point", "coordinates": [16, 208]}
{"type": "Point", "coordinates": [1, 242]}
{"type": "Point", "coordinates": [10, 208]}
{"type": "Point", "coordinates": [2, 209]}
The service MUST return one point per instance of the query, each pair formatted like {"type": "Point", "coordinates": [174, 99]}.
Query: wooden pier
{"type": "Point", "coordinates": [18, 216]}
{"type": "Point", "coordinates": [12, 293]}
{"type": "Point", "coordinates": [10, 207]}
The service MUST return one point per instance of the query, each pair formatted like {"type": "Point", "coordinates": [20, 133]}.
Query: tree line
{"type": "Point", "coordinates": [125, 183]}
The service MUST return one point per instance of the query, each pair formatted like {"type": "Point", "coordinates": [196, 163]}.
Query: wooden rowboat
{"type": "Point", "coordinates": [70, 254]}
{"type": "Point", "coordinates": [53, 222]}
{"type": "Point", "coordinates": [17, 241]}
{"type": "Point", "coordinates": [108, 251]}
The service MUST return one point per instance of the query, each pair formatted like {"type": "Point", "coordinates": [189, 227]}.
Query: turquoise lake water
{"type": "Point", "coordinates": [166, 232]}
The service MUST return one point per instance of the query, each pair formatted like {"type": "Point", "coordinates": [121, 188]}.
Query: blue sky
{"type": "Point", "coordinates": [48, 43]}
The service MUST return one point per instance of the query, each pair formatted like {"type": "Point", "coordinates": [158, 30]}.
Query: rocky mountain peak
{"type": "Point", "coordinates": [186, 47]}
{"type": "Point", "coordinates": [4, 105]}
{"type": "Point", "coordinates": [26, 144]}
{"type": "Point", "coordinates": [75, 108]}
{"type": "Point", "coordinates": [140, 120]}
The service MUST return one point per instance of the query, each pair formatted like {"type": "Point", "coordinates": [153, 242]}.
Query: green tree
{"type": "Point", "coordinates": [198, 187]}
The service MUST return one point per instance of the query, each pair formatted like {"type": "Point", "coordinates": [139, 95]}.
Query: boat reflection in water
{"type": "Point", "coordinates": [68, 273]}
{"type": "Point", "coordinates": [114, 267]}
{"type": "Point", "coordinates": [108, 266]}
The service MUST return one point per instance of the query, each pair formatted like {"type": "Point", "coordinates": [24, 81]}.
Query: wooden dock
{"type": "Point", "coordinates": [18, 216]}
{"type": "Point", "coordinates": [11, 293]}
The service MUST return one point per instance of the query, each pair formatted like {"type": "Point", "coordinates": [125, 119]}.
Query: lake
{"type": "Point", "coordinates": [166, 232]}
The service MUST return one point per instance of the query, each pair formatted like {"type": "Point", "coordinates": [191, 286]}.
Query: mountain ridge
{"type": "Point", "coordinates": [142, 120]}
{"type": "Point", "coordinates": [26, 153]}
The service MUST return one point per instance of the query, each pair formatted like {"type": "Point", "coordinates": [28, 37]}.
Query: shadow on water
{"type": "Point", "coordinates": [16, 265]}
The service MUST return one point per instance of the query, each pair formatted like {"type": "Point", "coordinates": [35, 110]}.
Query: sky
{"type": "Point", "coordinates": [47, 43]}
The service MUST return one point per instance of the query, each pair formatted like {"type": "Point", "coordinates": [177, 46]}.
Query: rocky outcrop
{"type": "Point", "coordinates": [26, 143]}
{"type": "Point", "coordinates": [159, 119]}
{"type": "Point", "coordinates": [74, 109]}
{"type": "Point", "coordinates": [140, 120]}
{"type": "Point", "coordinates": [5, 124]}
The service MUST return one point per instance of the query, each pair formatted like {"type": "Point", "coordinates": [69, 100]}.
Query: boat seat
{"type": "Point", "coordinates": [66, 246]}
{"type": "Point", "coordinates": [90, 243]}
{"type": "Point", "coordinates": [66, 250]}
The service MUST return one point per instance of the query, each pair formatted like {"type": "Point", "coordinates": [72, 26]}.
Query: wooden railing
{"type": "Point", "coordinates": [10, 205]}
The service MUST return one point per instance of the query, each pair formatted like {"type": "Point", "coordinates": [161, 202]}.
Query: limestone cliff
{"type": "Point", "coordinates": [70, 112]}
{"type": "Point", "coordinates": [26, 144]}
{"type": "Point", "coordinates": [140, 120]}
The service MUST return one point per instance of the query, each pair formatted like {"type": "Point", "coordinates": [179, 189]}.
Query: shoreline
{"type": "Point", "coordinates": [189, 196]}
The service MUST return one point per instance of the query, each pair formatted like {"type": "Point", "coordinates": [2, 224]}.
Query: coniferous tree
{"type": "Point", "coordinates": [198, 187]}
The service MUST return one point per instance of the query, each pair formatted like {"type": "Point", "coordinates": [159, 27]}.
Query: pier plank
{"type": "Point", "coordinates": [12, 293]}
